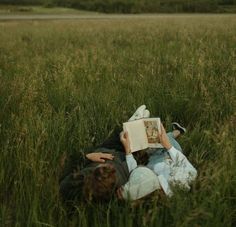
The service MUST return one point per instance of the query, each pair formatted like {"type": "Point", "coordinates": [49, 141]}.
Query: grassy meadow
{"type": "Point", "coordinates": [65, 85]}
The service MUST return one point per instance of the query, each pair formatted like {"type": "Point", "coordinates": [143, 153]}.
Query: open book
{"type": "Point", "coordinates": [143, 133]}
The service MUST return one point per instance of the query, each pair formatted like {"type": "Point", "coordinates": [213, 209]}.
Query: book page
{"type": "Point", "coordinates": [152, 129]}
{"type": "Point", "coordinates": [137, 135]}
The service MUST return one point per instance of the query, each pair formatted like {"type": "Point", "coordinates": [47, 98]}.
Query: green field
{"type": "Point", "coordinates": [65, 85]}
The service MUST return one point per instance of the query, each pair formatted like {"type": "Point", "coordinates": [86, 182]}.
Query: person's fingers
{"type": "Point", "coordinates": [126, 137]}
{"type": "Point", "coordinates": [119, 193]}
{"type": "Point", "coordinates": [107, 156]}
{"type": "Point", "coordinates": [122, 135]}
{"type": "Point", "coordinates": [162, 128]}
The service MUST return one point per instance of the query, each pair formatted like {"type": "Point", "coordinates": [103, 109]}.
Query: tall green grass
{"type": "Point", "coordinates": [65, 85]}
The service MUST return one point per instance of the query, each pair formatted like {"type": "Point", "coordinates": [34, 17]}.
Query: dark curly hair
{"type": "Point", "coordinates": [101, 184]}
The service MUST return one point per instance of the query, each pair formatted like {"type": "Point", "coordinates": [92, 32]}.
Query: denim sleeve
{"type": "Point", "coordinates": [131, 162]}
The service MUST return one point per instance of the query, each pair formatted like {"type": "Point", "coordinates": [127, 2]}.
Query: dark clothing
{"type": "Point", "coordinates": [71, 182]}
{"type": "Point", "coordinates": [119, 163]}
{"type": "Point", "coordinates": [113, 141]}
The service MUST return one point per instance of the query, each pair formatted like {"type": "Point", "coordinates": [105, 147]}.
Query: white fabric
{"type": "Point", "coordinates": [141, 112]}
{"type": "Point", "coordinates": [131, 162]}
{"type": "Point", "coordinates": [142, 181]}
{"type": "Point", "coordinates": [183, 169]}
{"type": "Point", "coordinates": [165, 185]}
{"type": "Point", "coordinates": [176, 170]}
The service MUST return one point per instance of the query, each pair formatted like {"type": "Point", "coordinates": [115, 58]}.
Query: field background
{"type": "Point", "coordinates": [65, 85]}
{"type": "Point", "coordinates": [123, 6]}
{"type": "Point", "coordinates": [41, 10]}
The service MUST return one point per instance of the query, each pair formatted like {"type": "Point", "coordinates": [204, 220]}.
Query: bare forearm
{"type": "Point", "coordinates": [99, 156]}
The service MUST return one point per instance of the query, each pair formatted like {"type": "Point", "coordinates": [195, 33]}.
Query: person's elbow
{"type": "Point", "coordinates": [193, 174]}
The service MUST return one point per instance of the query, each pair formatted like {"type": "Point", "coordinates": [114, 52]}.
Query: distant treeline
{"type": "Point", "coordinates": [135, 6]}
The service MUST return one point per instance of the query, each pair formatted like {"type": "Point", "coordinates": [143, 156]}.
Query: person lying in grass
{"type": "Point", "coordinates": [169, 164]}
{"type": "Point", "coordinates": [110, 170]}
{"type": "Point", "coordinates": [104, 170]}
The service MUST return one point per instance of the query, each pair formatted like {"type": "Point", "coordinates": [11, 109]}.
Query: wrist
{"type": "Point", "coordinates": [90, 156]}
{"type": "Point", "coordinates": [127, 150]}
{"type": "Point", "coordinates": [168, 146]}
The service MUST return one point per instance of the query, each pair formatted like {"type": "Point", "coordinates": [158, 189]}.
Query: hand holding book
{"type": "Point", "coordinates": [164, 140]}
{"type": "Point", "coordinates": [124, 139]}
{"type": "Point", "coordinates": [143, 133]}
